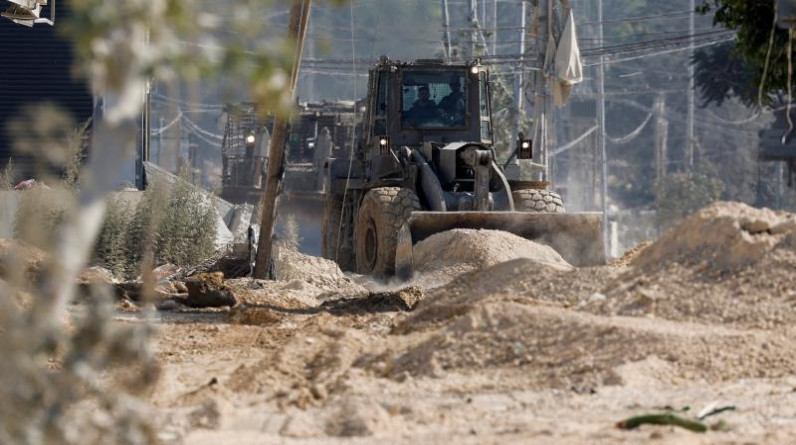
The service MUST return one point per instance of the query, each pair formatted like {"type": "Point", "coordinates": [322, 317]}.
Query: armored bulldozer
{"type": "Point", "coordinates": [425, 163]}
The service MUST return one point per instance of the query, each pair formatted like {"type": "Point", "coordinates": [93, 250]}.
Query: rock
{"type": "Point", "coordinates": [208, 290]}
{"type": "Point", "coordinates": [130, 290]}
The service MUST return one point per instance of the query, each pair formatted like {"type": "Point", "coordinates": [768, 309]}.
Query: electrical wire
{"type": "Point", "coordinates": [633, 134]}
{"type": "Point", "coordinates": [162, 129]}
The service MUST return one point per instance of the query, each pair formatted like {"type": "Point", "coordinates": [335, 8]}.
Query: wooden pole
{"type": "Point", "coordinates": [446, 29]}
{"type": "Point", "coordinates": [690, 125]}
{"type": "Point", "coordinates": [297, 30]}
{"type": "Point", "coordinates": [601, 131]}
{"type": "Point", "coordinates": [472, 19]}
{"type": "Point", "coordinates": [519, 79]}
{"type": "Point", "coordinates": [661, 136]}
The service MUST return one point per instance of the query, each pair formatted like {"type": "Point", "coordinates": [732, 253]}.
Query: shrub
{"type": "Point", "coordinates": [176, 225]}
{"type": "Point", "coordinates": [187, 232]}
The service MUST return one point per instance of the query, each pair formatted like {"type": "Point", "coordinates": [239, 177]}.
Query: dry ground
{"type": "Point", "coordinates": [502, 345]}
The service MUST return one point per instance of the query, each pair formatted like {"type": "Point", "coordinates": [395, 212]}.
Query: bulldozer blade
{"type": "Point", "coordinates": [577, 237]}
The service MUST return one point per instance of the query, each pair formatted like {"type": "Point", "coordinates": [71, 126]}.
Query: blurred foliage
{"type": "Point", "coordinates": [47, 134]}
{"type": "Point", "coordinates": [680, 194]}
{"type": "Point", "coordinates": [110, 250]}
{"type": "Point", "coordinates": [8, 176]}
{"type": "Point", "coordinates": [54, 392]}
{"type": "Point", "coordinates": [743, 62]}
{"type": "Point", "coordinates": [60, 385]}
{"type": "Point", "coordinates": [120, 46]}
{"type": "Point", "coordinates": [40, 213]}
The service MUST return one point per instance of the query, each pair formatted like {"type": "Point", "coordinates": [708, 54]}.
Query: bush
{"type": "Point", "coordinates": [176, 225]}
{"type": "Point", "coordinates": [187, 231]}
{"type": "Point", "coordinates": [678, 195]}
{"type": "Point", "coordinates": [39, 214]}
{"type": "Point", "coordinates": [7, 176]}
{"type": "Point", "coordinates": [111, 246]}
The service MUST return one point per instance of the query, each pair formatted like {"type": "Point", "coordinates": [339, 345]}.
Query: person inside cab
{"type": "Point", "coordinates": [453, 104]}
{"type": "Point", "coordinates": [423, 109]}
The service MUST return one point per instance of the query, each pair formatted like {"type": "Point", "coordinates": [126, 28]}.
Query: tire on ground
{"type": "Point", "coordinates": [382, 213]}
{"type": "Point", "coordinates": [542, 201]}
{"type": "Point", "coordinates": [332, 246]}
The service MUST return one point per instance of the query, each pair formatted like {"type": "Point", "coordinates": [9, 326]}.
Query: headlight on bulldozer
{"type": "Point", "coordinates": [384, 145]}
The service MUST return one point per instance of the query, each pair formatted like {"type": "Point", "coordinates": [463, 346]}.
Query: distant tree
{"type": "Point", "coordinates": [736, 69]}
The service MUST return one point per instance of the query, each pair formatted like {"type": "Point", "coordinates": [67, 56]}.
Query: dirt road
{"type": "Point", "coordinates": [490, 345]}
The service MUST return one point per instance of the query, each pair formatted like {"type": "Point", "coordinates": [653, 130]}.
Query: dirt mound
{"type": "Point", "coordinates": [728, 263]}
{"type": "Point", "coordinates": [758, 296]}
{"type": "Point", "coordinates": [323, 276]}
{"type": "Point", "coordinates": [723, 236]}
{"type": "Point", "coordinates": [562, 349]}
{"type": "Point", "coordinates": [460, 250]}
{"type": "Point", "coordinates": [520, 279]}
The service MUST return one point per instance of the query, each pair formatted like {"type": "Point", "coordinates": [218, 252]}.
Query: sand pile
{"type": "Point", "coordinates": [728, 263]}
{"type": "Point", "coordinates": [453, 252]}
{"type": "Point", "coordinates": [317, 276]}
{"type": "Point", "coordinates": [723, 236]}
{"type": "Point", "coordinates": [554, 348]}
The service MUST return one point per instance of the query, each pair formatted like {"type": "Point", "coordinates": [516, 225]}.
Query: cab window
{"type": "Point", "coordinates": [434, 100]}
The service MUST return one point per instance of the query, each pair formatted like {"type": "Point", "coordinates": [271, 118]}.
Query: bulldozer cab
{"type": "Point", "coordinates": [428, 101]}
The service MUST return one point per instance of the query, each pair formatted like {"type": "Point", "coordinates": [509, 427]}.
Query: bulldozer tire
{"type": "Point", "coordinates": [332, 247]}
{"type": "Point", "coordinates": [382, 213]}
{"type": "Point", "coordinates": [541, 201]}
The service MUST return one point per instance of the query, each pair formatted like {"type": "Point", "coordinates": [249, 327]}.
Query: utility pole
{"type": "Point", "coordinates": [601, 137]}
{"type": "Point", "coordinates": [472, 18]}
{"type": "Point", "coordinates": [482, 20]}
{"type": "Point", "coordinates": [446, 23]}
{"type": "Point", "coordinates": [519, 79]}
{"type": "Point", "coordinates": [494, 26]}
{"type": "Point", "coordinates": [661, 136]}
{"type": "Point", "coordinates": [690, 125]}
{"type": "Point", "coordinates": [780, 172]}
{"type": "Point", "coordinates": [297, 30]}
{"type": "Point", "coordinates": [160, 141]}
{"type": "Point", "coordinates": [312, 92]}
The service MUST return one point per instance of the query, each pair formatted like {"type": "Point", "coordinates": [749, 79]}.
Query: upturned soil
{"type": "Point", "coordinates": [497, 340]}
